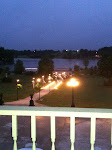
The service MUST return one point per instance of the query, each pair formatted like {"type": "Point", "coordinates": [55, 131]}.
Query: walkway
{"type": "Point", "coordinates": [25, 101]}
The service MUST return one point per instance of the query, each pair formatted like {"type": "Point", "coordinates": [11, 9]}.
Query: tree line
{"type": "Point", "coordinates": [66, 54]}
{"type": "Point", "coordinates": [46, 67]}
{"type": "Point", "coordinates": [7, 56]}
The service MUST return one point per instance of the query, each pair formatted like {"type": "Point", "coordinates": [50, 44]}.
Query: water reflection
{"type": "Point", "coordinates": [58, 63]}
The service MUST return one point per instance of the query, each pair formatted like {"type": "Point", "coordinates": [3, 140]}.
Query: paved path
{"type": "Point", "coordinates": [25, 101]}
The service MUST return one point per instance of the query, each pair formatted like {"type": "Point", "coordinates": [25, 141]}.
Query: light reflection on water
{"type": "Point", "coordinates": [58, 63]}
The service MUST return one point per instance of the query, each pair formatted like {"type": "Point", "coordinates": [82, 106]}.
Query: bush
{"type": "Point", "coordinates": [8, 79]}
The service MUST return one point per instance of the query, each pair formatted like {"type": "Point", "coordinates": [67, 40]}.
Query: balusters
{"type": "Point", "coordinates": [53, 132]}
{"type": "Point", "coordinates": [14, 131]}
{"type": "Point", "coordinates": [111, 134]}
{"type": "Point", "coordinates": [33, 131]}
{"type": "Point", "coordinates": [93, 132]}
{"type": "Point", "coordinates": [72, 132]}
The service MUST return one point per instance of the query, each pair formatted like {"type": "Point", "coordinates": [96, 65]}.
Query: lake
{"type": "Point", "coordinates": [58, 63]}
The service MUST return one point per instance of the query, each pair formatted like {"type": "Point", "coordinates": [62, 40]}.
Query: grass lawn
{"type": "Point", "coordinates": [91, 93]}
{"type": "Point", "coordinates": [9, 90]}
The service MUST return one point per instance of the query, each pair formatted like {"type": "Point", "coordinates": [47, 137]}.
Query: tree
{"type": "Point", "coordinates": [6, 56]}
{"type": "Point", "coordinates": [45, 66]}
{"type": "Point", "coordinates": [18, 67]}
{"type": "Point", "coordinates": [83, 53]}
{"type": "Point", "coordinates": [105, 66]}
{"type": "Point", "coordinates": [105, 51]}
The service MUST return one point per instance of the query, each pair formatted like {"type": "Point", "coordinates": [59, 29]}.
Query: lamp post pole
{"type": "Point", "coordinates": [38, 81]}
{"type": "Point", "coordinates": [49, 87]}
{"type": "Point", "coordinates": [49, 81]}
{"type": "Point", "coordinates": [73, 83]}
{"type": "Point", "coordinates": [73, 103]}
{"type": "Point", "coordinates": [17, 87]}
{"type": "Point", "coordinates": [39, 91]}
{"type": "Point", "coordinates": [33, 83]}
{"type": "Point", "coordinates": [17, 92]}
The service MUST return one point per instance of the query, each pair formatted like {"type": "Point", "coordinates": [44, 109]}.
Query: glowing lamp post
{"type": "Point", "coordinates": [73, 83]}
{"type": "Point", "coordinates": [38, 81]}
{"type": "Point", "coordinates": [17, 87]}
{"type": "Point", "coordinates": [49, 80]}
{"type": "Point", "coordinates": [43, 81]}
{"type": "Point", "coordinates": [33, 83]}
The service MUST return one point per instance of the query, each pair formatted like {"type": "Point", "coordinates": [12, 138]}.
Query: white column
{"type": "Point", "coordinates": [111, 134]}
{"type": "Point", "coordinates": [72, 132]}
{"type": "Point", "coordinates": [53, 132]}
{"type": "Point", "coordinates": [33, 131]}
{"type": "Point", "coordinates": [93, 132]}
{"type": "Point", "coordinates": [14, 131]}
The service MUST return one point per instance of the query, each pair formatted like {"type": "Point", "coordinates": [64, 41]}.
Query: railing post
{"type": "Point", "coordinates": [53, 132]}
{"type": "Point", "coordinates": [33, 131]}
{"type": "Point", "coordinates": [111, 134]}
{"type": "Point", "coordinates": [93, 132]}
{"type": "Point", "coordinates": [72, 132]}
{"type": "Point", "coordinates": [14, 131]}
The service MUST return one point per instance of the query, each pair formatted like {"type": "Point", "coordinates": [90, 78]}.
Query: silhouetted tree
{"type": "Point", "coordinates": [45, 66]}
{"type": "Point", "coordinates": [105, 67]}
{"type": "Point", "coordinates": [6, 56]}
{"type": "Point", "coordinates": [18, 67]}
{"type": "Point", "coordinates": [105, 51]}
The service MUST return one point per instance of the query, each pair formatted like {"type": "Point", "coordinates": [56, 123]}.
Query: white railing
{"type": "Point", "coordinates": [54, 112]}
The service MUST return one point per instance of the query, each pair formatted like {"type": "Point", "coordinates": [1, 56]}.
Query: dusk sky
{"type": "Point", "coordinates": [55, 24]}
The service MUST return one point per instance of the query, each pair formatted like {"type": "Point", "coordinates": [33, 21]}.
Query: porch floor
{"type": "Point", "coordinates": [103, 133]}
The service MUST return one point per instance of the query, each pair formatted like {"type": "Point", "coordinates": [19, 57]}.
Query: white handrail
{"type": "Point", "coordinates": [56, 111]}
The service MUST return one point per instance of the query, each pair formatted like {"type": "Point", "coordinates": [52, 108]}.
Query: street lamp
{"type": "Point", "coordinates": [49, 80]}
{"type": "Point", "coordinates": [33, 83]}
{"type": "Point", "coordinates": [73, 83]}
{"type": "Point", "coordinates": [56, 78]}
{"type": "Point", "coordinates": [43, 81]}
{"type": "Point", "coordinates": [38, 82]}
{"type": "Point", "coordinates": [17, 87]}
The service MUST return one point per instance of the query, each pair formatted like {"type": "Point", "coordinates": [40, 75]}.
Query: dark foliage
{"type": "Point", "coordinates": [6, 56]}
{"type": "Point", "coordinates": [105, 66]}
{"type": "Point", "coordinates": [18, 67]}
{"type": "Point", "coordinates": [105, 51]}
{"type": "Point", "coordinates": [45, 66]}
